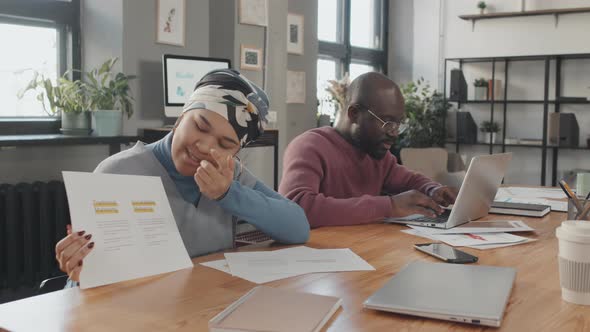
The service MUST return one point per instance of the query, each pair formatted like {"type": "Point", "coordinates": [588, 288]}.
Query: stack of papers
{"type": "Point", "coordinates": [544, 196]}
{"type": "Point", "coordinates": [478, 235]}
{"type": "Point", "coordinates": [264, 266]}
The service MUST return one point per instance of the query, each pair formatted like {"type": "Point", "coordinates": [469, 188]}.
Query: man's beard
{"type": "Point", "coordinates": [373, 149]}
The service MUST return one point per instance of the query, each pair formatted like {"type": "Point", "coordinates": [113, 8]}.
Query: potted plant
{"type": "Point", "coordinates": [488, 127]}
{"type": "Point", "coordinates": [481, 89]}
{"type": "Point", "coordinates": [482, 7]}
{"type": "Point", "coordinates": [426, 111]}
{"type": "Point", "coordinates": [68, 99]}
{"type": "Point", "coordinates": [109, 98]}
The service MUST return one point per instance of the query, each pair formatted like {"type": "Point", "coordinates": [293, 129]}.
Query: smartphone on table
{"type": "Point", "coordinates": [446, 253]}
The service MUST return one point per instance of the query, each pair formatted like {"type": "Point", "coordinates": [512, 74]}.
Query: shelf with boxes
{"type": "Point", "coordinates": [560, 129]}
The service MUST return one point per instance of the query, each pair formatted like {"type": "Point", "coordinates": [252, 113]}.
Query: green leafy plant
{"type": "Point", "coordinates": [482, 5]}
{"type": "Point", "coordinates": [66, 96]}
{"type": "Point", "coordinates": [426, 111]}
{"type": "Point", "coordinates": [489, 127]}
{"type": "Point", "coordinates": [480, 82]}
{"type": "Point", "coordinates": [108, 91]}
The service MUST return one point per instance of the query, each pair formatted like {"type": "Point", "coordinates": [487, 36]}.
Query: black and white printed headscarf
{"type": "Point", "coordinates": [231, 95]}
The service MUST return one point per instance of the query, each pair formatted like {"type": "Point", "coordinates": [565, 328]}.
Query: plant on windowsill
{"type": "Point", "coordinates": [426, 111]}
{"type": "Point", "coordinates": [481, 89]}
{"type": "Point", "coordinates": [488, 127]}
{"type": "Point", "coordinates": [482, 7]}
{"type": "Point", "coordinates": [109, 95]}
{"type": "Point", "coordinates": [337, 90]}
{"type": "Point", "coordinates": [67, 99]}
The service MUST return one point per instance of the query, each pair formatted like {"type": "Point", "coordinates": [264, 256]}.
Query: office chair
{"type": "Point", "coordinates": [433, 163]}
{"type": "Point", "coordinates": [53, 284]}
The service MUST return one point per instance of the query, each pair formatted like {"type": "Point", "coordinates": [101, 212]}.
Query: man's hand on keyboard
{"type": "Point", "coordinates": [445, 195]}
{"type": "Point", "coordinates": [414, 202]}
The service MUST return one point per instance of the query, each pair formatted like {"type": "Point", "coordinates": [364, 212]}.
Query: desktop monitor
{"type": "Point", "coordinates": [181, 74]}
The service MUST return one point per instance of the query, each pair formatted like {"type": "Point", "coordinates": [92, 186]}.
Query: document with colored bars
{"type": "Point", "coordinates": [131, 223]}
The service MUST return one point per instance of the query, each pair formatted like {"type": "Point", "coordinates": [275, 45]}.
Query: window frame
{"type": "Point", "coordinates": [345, 52]}
{"type": "Point", "coordinates": [65, 18]}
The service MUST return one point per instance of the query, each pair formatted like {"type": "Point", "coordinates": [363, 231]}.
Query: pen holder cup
{"type": "Point", "coordinates": [572, 211]}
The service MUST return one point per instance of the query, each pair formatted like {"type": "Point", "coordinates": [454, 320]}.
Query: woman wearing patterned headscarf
{"type": "Point", "coordinates": [207, 189]}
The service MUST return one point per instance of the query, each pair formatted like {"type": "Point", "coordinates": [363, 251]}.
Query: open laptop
{"type": "Point", "coordinates": [484, 176]}
{"type": "Point", "coordinates": [473, 294]}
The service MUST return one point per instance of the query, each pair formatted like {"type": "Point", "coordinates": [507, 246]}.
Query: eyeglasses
{"type": "Point", "coordinates": [390, 127]}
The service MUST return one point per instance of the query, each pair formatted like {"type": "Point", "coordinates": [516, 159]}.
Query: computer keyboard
{"type": "Point", "coordinates": [441, 219]}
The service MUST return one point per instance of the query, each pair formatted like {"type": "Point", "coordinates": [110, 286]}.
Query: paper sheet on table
{"type": "Point", "coordinates": [131, 223]}
{"type": "Point", "coordinates": [220, 265]}
{"type": "Point", "coordinates": [257, 278]}
{"type": "Point", "coordinates": [500, 245]}
{"type": "Point", "coordinates": [418, 233]}
{"type": "Point", "coordinates": [479, 247]}
{"type": "Point", "coordinates": [295, 262]}
{"type": "Point", "coordinates": [488, 226]}
{"type": "Point", "coordinates": [462, 240]}
{"type": "Point", "coordinates": [544, 196]}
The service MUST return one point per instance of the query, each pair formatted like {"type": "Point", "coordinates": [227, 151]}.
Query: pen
{"type": "Point", "coordinates": [570, 195]}
{"type": "Point", "coordinates": [586, 200]}
{"type": "Point", "coordinates": [586, 206]}
{"type": "Point", "coordinates": [583, 214]}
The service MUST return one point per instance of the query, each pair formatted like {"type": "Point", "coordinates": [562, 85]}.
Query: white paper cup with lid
{"type": "Point", "coordinates": [574, 260]}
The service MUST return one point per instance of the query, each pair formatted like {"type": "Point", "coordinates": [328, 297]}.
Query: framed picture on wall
{"type": "Point", "coordinates": [250, 58]}
{"type": "Point", "coordinates": [171, 20]}
{"type": "Point", "coordinates": [295, 87]}
{"type": "Point", "coordinates": [295, 34]}
{"type": "Point", "coordinates": [254, 12]}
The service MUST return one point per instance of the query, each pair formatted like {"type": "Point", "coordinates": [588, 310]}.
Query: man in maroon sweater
{"type": "Point", "coordinates": [339, 175]}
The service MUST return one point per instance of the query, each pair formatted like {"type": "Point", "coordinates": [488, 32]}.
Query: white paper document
{"type": "Point", "coordinates": [258, 278]}
{"type": "Point", "coordinates": [477, 241]}
{"type": "Point", "coordinates": [269, 265]}
{"type": "Point", "coordinates": [500, 245]}
{"type": "Point", "coordinates": [462, 240]}
{"type": "Point", "coordinates": [418, 233]}
{"type": "Point", "coordinates": [474, 227]}
{"type": "Point", "coordinates": [220, 265]}
{"type": "Point", "coordinates": [131, 223]}
{"type": "Point", "coordinates": [543, 196]}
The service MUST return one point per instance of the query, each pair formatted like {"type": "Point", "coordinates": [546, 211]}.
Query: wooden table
{"type": "Point", "coordinates": [186, 300]}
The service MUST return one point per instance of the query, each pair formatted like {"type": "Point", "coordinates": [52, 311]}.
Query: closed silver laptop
{"type": "Point", "coordinates": [474, 294]}
{"type": "Point", "coordinates": [482, 180]}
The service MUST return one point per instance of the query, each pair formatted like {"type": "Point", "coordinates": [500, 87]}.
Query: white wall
{"type": "Point", "coordinates": [426, 44]}
{"type": "Point", "coordinates": [436, 26]}
{"type": "Point", "coordinates": [515, 36]}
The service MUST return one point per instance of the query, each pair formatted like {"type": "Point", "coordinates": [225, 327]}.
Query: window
{"type": "Point", "coordinates": [356, 69]}
{"type": "Point", "coordinates": [326, 72]}
{"type": "Point", "coordinates": [30, 49]}
{"type": "Point", "coordinates": [352, 39]}
{"type": "Point", "coordinates": [40, 36]}
{"type": "Point", "coordinates": [365, 23]}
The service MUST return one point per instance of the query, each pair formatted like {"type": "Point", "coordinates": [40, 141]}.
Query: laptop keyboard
{"type": "Point", "coordinates": [441, 219]}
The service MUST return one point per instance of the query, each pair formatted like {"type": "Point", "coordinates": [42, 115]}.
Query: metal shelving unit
{"type": "Point", "coordinates": [504, 102]}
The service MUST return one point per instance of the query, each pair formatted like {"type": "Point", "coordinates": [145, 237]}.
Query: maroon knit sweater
{"type": "Point", "coordinates": [337, 184]}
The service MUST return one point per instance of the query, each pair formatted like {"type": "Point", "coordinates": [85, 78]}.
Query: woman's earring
{"type": "Point", "coordinates": [237, 159]}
